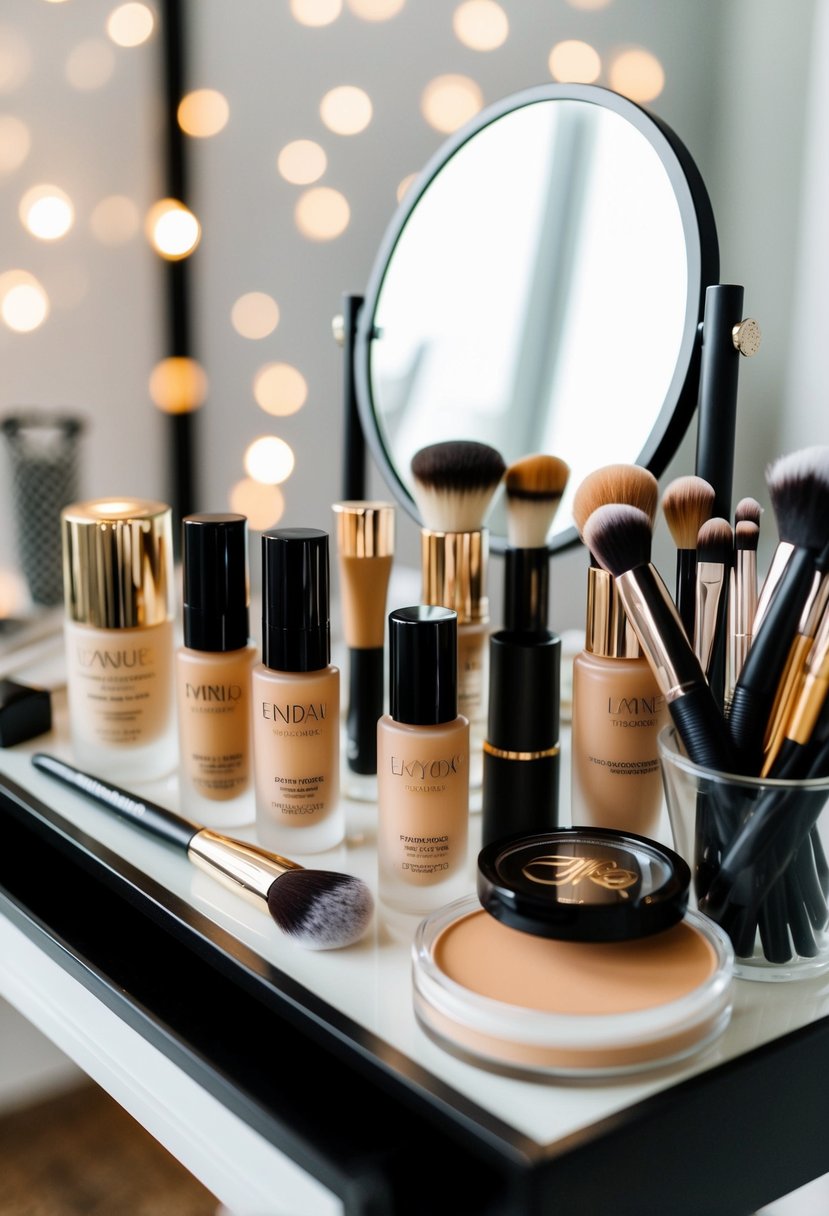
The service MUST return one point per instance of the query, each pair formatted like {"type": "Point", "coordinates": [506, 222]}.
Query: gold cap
{"type": "Point", "coordinates": [453, 572]}
{"type": "Point", "coordinates": [608, 632]}
{"type": "Point", "coordinates": [117, 562]}
{"type": "Point", "coordinates": [364, 528]}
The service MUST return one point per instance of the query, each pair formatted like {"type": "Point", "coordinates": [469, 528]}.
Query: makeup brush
{"type": "Point", "coordinates": [742, 603]}
{"type": "Point", "coordinates": [715, 543]}
{"type": "Point", "coordinates": [800, 650]}
{"type": "Point", "coordinates": [534, 486]}
{"type": "Point", "coordinates": [628, 483]}
{"type": "Point", "coordinates": [454, 483]}
{"type": "Point", "coordinates": [688, 503]}
{"type": "Point", "coordinates": [619, 536]}
{"type": "Point", "coordinates": [318, 909]}
{"type": "Point", "coordinates": [799, 488]}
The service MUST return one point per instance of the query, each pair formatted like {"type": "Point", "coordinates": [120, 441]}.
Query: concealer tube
{"type": "Point", "coordinates": [454, 572]}
{"type": "Point", "coordinates": [296, 699]}
{"type": "Point", "coordinates": [118, 598]}
{"type": "Point", "coordinates": [521, 750]}
{"type": "Point", "coordinates": [213, 670]}
{"type": "Point", "coordinates": [618, 712]}
{"type": "Point", "coordinates": [365, 549]}
{"type": "Point", "coordinates": [422, 766]}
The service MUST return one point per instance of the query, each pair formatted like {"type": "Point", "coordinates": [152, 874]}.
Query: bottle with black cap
{"type": "Point", "coordinates": [422, 766]}
{"type": "Point", "coordinates": [296, 699]}
{"type": "Point", "coordinates": [213, 670]}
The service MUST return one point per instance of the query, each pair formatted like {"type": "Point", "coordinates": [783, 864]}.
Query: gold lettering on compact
{"type": "Point", "coordinates": [423, 770]}
{"type": "Point", "coordinates": [293, 714]}
{"type": "Point", "coordinates": [139, 656]}
{"type": "Point", "coordinates": [214, 692]}
{"type": "Point", "coordinates": [556, 870]}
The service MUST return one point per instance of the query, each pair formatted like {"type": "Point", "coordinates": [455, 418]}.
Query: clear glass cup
{"type": "Point", "coordinates": [758, 851]}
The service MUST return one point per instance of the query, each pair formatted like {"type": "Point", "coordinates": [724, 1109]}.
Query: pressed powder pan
{"type": "Point", "coordinates": [578, 1007]}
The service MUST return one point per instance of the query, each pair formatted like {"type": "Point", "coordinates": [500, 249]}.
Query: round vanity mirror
{"type": "Point", "coordinates": [540, 289]}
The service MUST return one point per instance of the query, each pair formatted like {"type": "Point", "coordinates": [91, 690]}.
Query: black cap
{"type": "Point", "coordinates": [214, 557]}
{"type": "Point", "coordinates": [526, 589]}
{"type": "Point", "coordinates": [524, 683]}
{"type": "Point", "coordinates": [423, 665]}
{"type": "Point", "coordinates": [295, 627]}
{"type": "Point", "coordinates": [584, 884]}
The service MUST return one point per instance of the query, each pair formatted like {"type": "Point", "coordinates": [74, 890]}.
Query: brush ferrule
{"type": "Point", "coordinates": [243, 867]}
{"type": "Point", "coordinates": [453, 572]}
{"type": "Point", "coordinates": [608, 632]}
{"type": "Point", "coordinates": [649, 606]}
{"type": "Point", "coordinates": [815, 606]}
{"type": "Point", "coordinates": [710, 583]}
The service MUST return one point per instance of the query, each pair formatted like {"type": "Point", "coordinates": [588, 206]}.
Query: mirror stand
{"type": "Point", "coordinates": [344, 327]}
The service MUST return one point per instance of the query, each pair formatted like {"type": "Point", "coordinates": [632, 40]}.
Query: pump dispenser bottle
{"type": "Point", "coordinates": [422, 766]}
{"type": "Point", "coordinates": [213, 670]}
{"type": "Point", "coordinates": [296, 699]}
{"type": "Point", "coordinates": [618, 712]}
{"type": "Point", "coordinates": [118, 597]}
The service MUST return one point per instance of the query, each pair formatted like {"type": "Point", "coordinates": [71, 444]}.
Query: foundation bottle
{"type": "Point", "coordinates": [118, 598]}
{"type": "Point", "coordinates": [454, 574]}
{"type": "Point", "coordinates": [422, 766]}
{"type": "Point", "coordinates": [213, 672]}
{"type": "Point", "coordinates": [296, 699]}
{"type": "Point", "coordinates": [618, 712]}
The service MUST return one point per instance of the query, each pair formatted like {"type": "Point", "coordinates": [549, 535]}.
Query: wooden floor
{"type": "Point", "coordinates": [82, 1155]}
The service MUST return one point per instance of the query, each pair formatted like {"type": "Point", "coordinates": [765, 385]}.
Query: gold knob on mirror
{"type": "Point", "coordinates": [746, 337]}
{"type": "Point", "coordinates": [338, 329]}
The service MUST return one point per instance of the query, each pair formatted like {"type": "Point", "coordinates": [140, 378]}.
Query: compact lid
{"type": "Point", "coordinates": [584, 884]}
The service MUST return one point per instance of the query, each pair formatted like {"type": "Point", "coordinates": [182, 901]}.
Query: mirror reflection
{"type": "Point", "coordinates": [538, 298]}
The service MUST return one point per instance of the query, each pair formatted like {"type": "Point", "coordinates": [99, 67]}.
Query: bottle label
{"type": "Point", "coordinates": [120, 685]}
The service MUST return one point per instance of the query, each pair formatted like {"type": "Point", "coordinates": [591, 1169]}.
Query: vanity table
{"type": "Point", "coordinates": [297, 1082]}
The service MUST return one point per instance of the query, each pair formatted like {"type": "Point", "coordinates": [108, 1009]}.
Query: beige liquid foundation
{"type": "Point", "coordinates": [422, 766]}
{"type": "Point", "coordinates": [618, 712]}
{"type": "Point", "coordinates": [296, 699]}
{"type": "Point", "coordinates": [213, 670]}
{"type": "Point", "coordinates": [118, 593]}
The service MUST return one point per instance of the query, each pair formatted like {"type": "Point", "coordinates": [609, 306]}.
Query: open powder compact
{"type": "Point", "coordinates": [578, 959]}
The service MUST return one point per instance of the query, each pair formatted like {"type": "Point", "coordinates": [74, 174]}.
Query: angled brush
{"type": "Point", "coordinates": [318, 909]}
{"type": "Point", "coordinates": [687, 503]}
{"type": "Point", "coordinates": [534, 486]}
{"type": "Point", "coordinates": [799, 488]}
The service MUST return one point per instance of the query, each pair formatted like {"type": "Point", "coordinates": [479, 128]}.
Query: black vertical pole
{"type": "Point", "coordinates": [717, 412]}
{"type": "Point", "coordinates": [177, 273]}
{"type": "Point", "coordinates": [354, 444]}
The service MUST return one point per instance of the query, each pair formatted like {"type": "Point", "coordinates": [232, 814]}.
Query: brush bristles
{"type": "Point", "coordinates": [321, 909]}
{"type": "Point", "coordinates": [746, 535]}
{"type": "Point", "coordinates": [454, 483]}
{"type": "Point", "coordinates": [619, 537]}
{"type": "Point", "coordinates": [616, 483]}
{"type": "Point", "coordinates": [799, 489]}
{"type": "Point", "coordinates": [688, 503]}
{"type": "Point", "coordinates": [715, 542]}
{"type": "Point", "coordinates": [534, 488]}
{"type": "Point", "coordinates": [748, 510]}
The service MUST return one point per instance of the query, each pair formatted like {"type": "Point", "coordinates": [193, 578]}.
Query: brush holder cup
{"type": "Point", "coordinates": [758, 855]}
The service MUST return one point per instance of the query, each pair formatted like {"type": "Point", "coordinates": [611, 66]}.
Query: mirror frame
{"type": "Point", "coordinates": [698, 225]}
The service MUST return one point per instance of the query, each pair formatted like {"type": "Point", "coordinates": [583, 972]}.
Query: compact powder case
{"type": "Point", "coordinates": [578, 959]}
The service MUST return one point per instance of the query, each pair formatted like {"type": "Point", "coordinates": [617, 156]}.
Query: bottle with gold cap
{"type": "Point", "coordinates": [118, 595]}
{"type": "Point", "coordinates": [618, 712]}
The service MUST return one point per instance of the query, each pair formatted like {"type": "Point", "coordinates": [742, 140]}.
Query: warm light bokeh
{"type": "Point", "coordinates": [637, 74]}
{"type": "Point", "coordinates": [178, 385]}
{"type": "Point", "coordinates": [322, 214]}
{"type": "Point", "coordinates": [203, 112]}
{"type": "Point", "coordinates": [15, 59]}
{"type": "Point", "coordinates": [302, 162]}
{"type": "Point", "coordinates": [449, 101]}
{"type": "Point", "coordinates": [269, 460]}
{"type": "Point", "coordinates": [481, 25]}
{"type": "Point", "coordinates": [172, 229]}
{"type": "Point", "coordinates": [46, 212]}
{"type": "Point", "coordinates": [15, 142]}
{"type": "Point", "coordinates": [90, 65]}
{"type": "Point", "coordinates": [404, 186]}
{"type": "Point", "coordinates": [24, 304]}
{"type": "Point", "coordinates": [346, 110]}
{"type": "Point", "coordinates": [375, 10]}
{"type": "Point", "coordinates": [575, 62]}
{"type": "Point", "coordinates": [130, 24]}
{"type": "Point", "coordinates": [316, 12]}
{"type": "Point", "coordinates": [255, 315]}
{"type": "Point", "coordinates": [263, 505]}
{"type": "Point", "coordinates": [280, 389]}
